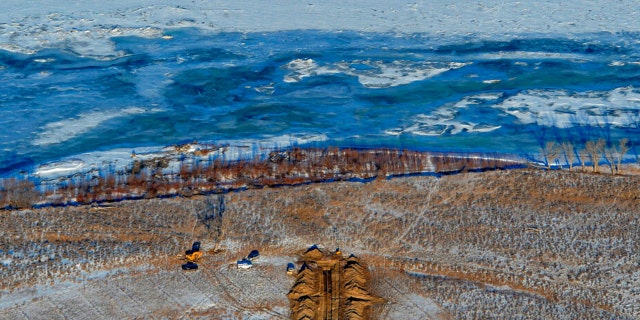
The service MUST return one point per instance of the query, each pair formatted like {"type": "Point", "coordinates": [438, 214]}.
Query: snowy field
{"type": "Point", "coordinates": [526, 244]}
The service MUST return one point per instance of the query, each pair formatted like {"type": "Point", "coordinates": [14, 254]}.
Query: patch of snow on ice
{"type": "Point", "coordinates": [62, 167]}
{"type": "Point", "coordinates": [563, 109]}
{"type": "Point", "coordinates": [401, 72]}
{"type": "Point", "coordinates": [379, 74]}
{"type": "Point", "coordinates": [444, 120]}
{"type": "Point", "coordinates": [64, 130]}
{"type": "Point", "coordinates": [302, 68]}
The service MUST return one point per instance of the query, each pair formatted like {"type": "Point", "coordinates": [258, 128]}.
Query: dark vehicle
{"type": "Point", "coordinates": [254, 254]}
{"type": "Point", "coordinates": [190, 266]}
{"type": "Point", "coordinates": [291, 268]}
{"type": "Point", "coordinates": [196, 246]}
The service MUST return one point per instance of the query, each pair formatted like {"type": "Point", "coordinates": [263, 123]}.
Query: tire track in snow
{"type": "Point", "coordinates": [139, 304]}
{"type": "Point", "coordinates": [204, 293]}
{"type": "Point", "coordinates": [416, 306]}
{"type": "Point", "coordinates": [102, 294]}
{"type": "Point", "coordinates": [54, 306]}
{"type": "Point", "coordinates": [164, 292]}
{"type": "Point", "coordinates": [235, 304]}
{"type": "Point", "coordinates": [96, 310]}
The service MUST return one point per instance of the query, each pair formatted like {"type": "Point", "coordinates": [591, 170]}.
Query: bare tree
{"type": "Point", "coordinates": [615, 153]}
{"type": "Point", "coordinates": [551, 153]}
{"type": "Point", "coordinates": [569, 153]}
{"type": "Point", "coordinates": [610, 156]}
{"type": "Point", "coordinates": [623, 147]}
{"type": "Point", "coordinates": [20, 194]}
{"type": "Point", "coordinates": [583, 154]}
{"type": "Point", "coordinates": [595, 150]}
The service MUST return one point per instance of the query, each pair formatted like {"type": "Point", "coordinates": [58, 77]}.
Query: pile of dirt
{"type": "Point", "coordinates": [330, 286]}
{"type": "Point", "coordinates": [358, 300]}
{"type": "Point", "coordinates": [304, 294]}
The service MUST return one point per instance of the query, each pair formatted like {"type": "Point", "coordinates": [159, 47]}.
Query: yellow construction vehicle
{"type": "Point", "coordinates": [192, 256]}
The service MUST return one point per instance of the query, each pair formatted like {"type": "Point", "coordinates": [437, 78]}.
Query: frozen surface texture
{"type": "Point", "coordinates": [86, 80]}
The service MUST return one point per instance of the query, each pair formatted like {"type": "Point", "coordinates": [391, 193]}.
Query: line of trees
{"type": "Point", "coordinates": [215, 175]}
{"type": "Point", "coordinates": [593, 152]}
{"type": "Point", "coordinates": [285, 167]}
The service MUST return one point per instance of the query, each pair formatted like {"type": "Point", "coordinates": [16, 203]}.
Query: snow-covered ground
{"type": "Point", "coordinates": [85, 25]}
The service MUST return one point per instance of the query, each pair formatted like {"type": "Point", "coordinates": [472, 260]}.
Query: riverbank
{"type": "Point", "coordinates": [189, 170]}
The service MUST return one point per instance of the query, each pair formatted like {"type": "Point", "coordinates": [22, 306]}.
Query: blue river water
{"type": "Point", "coordinates": [413, 91]}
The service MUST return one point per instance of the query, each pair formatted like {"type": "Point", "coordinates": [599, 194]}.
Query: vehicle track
{"type": "Point", "coordinates": [55, 307]}
{"type": "Point", "coordinates": [269, 311]}
{"type": "Point", "coordinates": [138, 305]}
{"type": "Point", "coordinates": [164, 292]}
{"type": "Point", "coordinates": [21, 311]}
{"type": "Point", "coordinates": [93, 306]}
{"type": "Point", "coordinates": [206, 294]}
{"type": "Point", "coordinates": [401, 293]}
{"type": "Point", "coordinates": [102, 294]}
{"type": "Point", "coordinates": [235, 304]}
